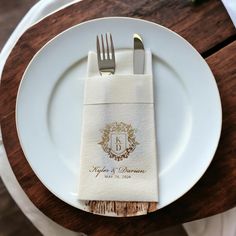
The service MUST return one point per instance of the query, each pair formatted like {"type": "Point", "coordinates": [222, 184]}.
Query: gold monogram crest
{"type": "Point", "coordinates": [118, 140]}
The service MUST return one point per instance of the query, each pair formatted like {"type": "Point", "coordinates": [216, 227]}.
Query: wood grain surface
{"type": "Point", "coordinates": [208, 27]}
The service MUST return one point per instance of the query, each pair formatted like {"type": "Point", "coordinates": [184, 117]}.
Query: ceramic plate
{"type": "Point", "coordinates": [50, 98]}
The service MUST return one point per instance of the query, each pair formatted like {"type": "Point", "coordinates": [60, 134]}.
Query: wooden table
{"type": "Point", "coordinates": [209, 29]}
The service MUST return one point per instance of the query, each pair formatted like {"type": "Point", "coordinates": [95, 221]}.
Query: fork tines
{"type": "Point", "coordinates": [106, 58]}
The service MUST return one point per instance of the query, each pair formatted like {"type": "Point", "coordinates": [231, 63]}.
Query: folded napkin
{"type": "Point", "coordinates": [118, 148]}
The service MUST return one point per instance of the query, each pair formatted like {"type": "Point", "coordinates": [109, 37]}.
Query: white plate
{"type": "Point", "coordinates": [187, 103]}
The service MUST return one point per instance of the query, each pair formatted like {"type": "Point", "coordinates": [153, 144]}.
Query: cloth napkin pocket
{"type": "Point", "coordinates": [118, 159]}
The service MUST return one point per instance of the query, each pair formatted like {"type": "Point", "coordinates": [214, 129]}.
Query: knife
{"type": "Point", "coordinates": [138, 55]}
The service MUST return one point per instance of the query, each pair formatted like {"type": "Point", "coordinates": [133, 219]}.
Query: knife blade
{"type": "Point", "coordinates": [138, 55]}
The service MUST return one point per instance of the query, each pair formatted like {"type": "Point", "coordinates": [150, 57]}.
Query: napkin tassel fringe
{"type": "Point", "coordinates": [121, 208]}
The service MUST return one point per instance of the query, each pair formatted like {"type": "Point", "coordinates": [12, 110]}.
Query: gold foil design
{"type": "Point", "coordinates": [118, 140]}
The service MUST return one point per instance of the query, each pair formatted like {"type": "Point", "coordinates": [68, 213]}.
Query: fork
{"type": "Point", "coordinates": [106, 60]}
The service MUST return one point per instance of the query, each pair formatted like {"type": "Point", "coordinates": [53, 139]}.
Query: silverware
{"type": "Point", "coordinates": [139, 55]}
{"type": "Point", "coordinates": [106, 59]}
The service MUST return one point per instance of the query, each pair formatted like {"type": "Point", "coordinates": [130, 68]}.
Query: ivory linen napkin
{"type": "Point", "coordinates": [118, 148]}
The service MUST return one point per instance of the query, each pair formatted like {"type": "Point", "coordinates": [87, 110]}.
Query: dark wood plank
{"type": "Point", "coordinates": [203, 25]}
{"type": "Point", "coordinates": [214, 190]}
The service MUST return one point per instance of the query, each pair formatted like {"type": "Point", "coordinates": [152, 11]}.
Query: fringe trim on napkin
{"type": "Point", "coordinates": [121, 208]}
